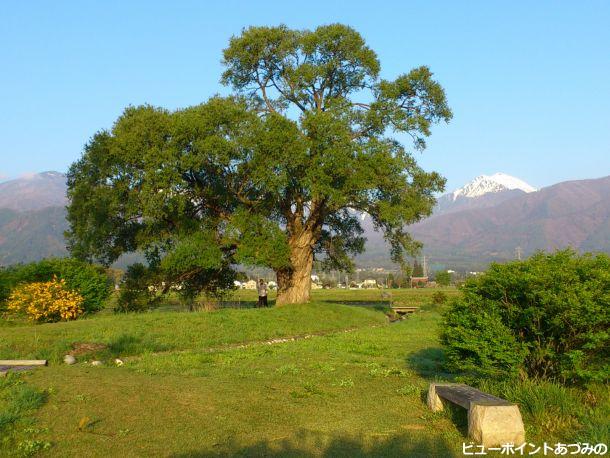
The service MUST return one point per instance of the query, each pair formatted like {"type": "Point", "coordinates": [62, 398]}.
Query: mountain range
{"type": "Point", "coordinates": [499, 218]}
{"type": "Point", "coordinates": [492, 218]}
{"type": "Point", "coordinates": [33, 218]}
{"type": "Point", "coordinates": [570, 214]}
{"type": "Point", "coordinates": [34, 191]}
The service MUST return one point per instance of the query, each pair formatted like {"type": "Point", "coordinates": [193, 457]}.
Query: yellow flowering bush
{"type": "Point", "coordinates": [46, 301]}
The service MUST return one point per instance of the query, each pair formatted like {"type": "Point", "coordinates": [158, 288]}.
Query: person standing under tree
{"type": "Point", "coordinates": [262, 293]}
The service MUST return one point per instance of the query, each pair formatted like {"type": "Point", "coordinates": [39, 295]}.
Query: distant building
{"type": "Point", "coordinates": [237, 284]}
{"type": "Point", "coordinates": [250, 284]}
{"type": "Point", "coordinates": [419, 282]}
{"type": "Point", "coordinates": [369, 283]}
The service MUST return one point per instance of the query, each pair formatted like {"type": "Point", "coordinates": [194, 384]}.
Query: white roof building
{"type": "Point", "coordinates": [250, 284]}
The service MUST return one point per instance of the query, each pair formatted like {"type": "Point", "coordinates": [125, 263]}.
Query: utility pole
{"type": "Point", "coordinates": [518, 250]}
{"type": "Point", "coordinates": [425, 267]}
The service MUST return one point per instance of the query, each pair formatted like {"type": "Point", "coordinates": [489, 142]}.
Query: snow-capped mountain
{"type": "Point", "coordinates": [483, 191]}
{"type": "Point", "coordinates": [485, 184]}
{"type": "Point", "coordinates": [569, 214]}
{"type": "Point", "coordinates": [474, 231]}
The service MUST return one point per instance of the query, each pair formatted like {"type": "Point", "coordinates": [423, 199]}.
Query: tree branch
{"type": "Point", "coordinates": [263, 88]}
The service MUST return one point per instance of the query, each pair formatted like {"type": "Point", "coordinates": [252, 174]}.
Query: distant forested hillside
{"type": "Point", "coordinates": [32, 235]}
{"type": "Point", "coordinates": [574, 213]}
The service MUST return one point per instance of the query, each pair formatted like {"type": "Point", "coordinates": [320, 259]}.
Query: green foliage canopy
{"type": "Point", "coordinates": [325, 84]}
{"type": "Point", "coordinates": [273, 175]}
{"type": "Point", "coordinates": [418, 270]}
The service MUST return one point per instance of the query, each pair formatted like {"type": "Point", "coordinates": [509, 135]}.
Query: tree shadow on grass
{"type": "Point", "coordinates": [380, 306]}
{"type": "Point", "coordinates": [238, 304]}
{"type": "Point", "coordinates": [309, 444]}
{"type": "Point", "coordinates": [124, 344]}
{"type": "Point", "coordinates": [428, 363]}
{"type": "Point", "coordinates": [361, 303]}
{"type": "Point", "coordinates": [127, 345]}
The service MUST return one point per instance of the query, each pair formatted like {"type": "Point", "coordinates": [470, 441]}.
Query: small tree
{"type": "Point", "coordinates": [275, 175]}
{"type": "Point", "coordinates": [418, 270]}
{"type": "Point", "coordinates": [443, 278]}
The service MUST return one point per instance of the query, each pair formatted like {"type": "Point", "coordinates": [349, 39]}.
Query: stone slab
{"type": "Point", "coordinates": [6, 369]}
{"type": "Point", "coordinates": [492, 421]}
{"type": "Point", "coordinates": [495, 425]}
{"type": "Point", "coordinates": [464, 395]}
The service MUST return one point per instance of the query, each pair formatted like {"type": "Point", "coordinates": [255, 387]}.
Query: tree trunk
{"type": "Point", "coordinates": [294, 283]}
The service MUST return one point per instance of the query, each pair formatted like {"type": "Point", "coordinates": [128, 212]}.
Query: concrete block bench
{"type": "Point", "coordinates": [404, 309]}
{"type": "Point", "coordinates": [492, 421]}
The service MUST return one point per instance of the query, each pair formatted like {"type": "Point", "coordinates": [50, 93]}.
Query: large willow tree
{"type": "Point", "coordinates": [275, 175]}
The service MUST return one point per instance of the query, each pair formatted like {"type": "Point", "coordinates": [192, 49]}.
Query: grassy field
{"type": "Point", "coordinates": [358, 297]}
{"type": "Point", "coordinates": [332, 378]}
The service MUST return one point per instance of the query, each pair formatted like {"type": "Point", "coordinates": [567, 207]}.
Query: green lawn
{"type": "Point", "coordinates": [130, 334]}
{"type": "Point", "coordinates": [209, 384]}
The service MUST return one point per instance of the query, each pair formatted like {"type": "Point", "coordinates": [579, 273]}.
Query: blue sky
{"type": "Point", "coordinates": [529, 82]}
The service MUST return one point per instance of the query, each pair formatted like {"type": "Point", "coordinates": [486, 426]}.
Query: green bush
{"type": "Point", "coordinates": [137, 291]}
{"type": "Point", "coordinates": [88, 280]}
{"type": "Point", "coordinates": [478, 343]}
{"type": "Point", "coordinates": [7, 281]}
{"type": "Point", "coordinates": [547, 317]}
{"type": "Point", "coordinates": [439, 298]}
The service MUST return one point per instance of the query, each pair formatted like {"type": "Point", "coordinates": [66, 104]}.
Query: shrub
{"type": "Point", "coordinates": [137, 293]}
{"type": "Point", "coordinates": [45, 301]}
{"type": "Point", "coordinates": [547, 317]}
{"type": "Point", "coordinates": [7, 282]}
{"type": "Point", "coordinates": [88, 280]}
{"type": "Point", "coordinates": [439, 298]}
{"type": "Point", "coordinates": [478, 344]}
